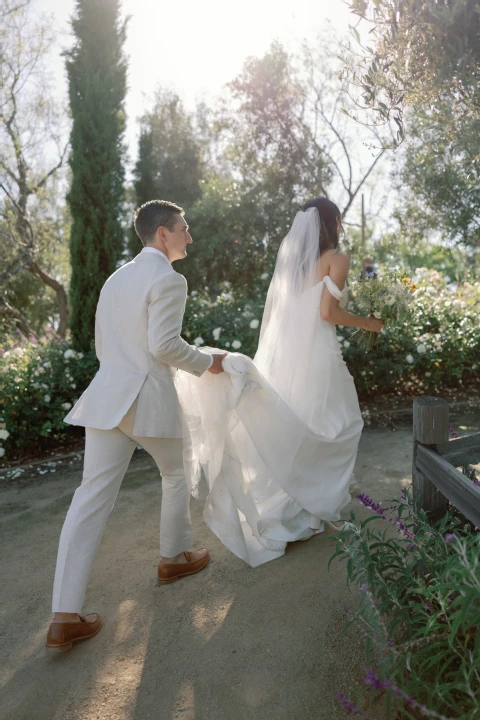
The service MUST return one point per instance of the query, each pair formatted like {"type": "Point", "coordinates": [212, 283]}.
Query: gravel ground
{"type": "Point", "coordinates": [230, 643]}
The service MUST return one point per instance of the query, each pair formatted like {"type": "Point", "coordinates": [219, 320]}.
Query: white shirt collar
{"type": "Point", "coordinates": [150, 249]}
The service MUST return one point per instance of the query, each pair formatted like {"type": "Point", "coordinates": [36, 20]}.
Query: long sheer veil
{"type": "Point", "coordinates": [291, 315]}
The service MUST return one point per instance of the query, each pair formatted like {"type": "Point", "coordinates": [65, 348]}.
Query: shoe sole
{"type": "Point", "coordinates": [167, 581]}
{"type": "Point", "coordinates": [68, 646]}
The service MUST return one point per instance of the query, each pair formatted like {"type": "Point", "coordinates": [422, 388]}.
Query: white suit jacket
{"type": "Point", "coordinates": [137, 340]}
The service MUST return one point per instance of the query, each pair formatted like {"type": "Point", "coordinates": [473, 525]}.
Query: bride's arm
{"type": "Point", "coordinates": [329, 307]}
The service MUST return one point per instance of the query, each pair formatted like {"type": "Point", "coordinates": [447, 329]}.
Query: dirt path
{"type": "Point", "coordinates": [231, 643]}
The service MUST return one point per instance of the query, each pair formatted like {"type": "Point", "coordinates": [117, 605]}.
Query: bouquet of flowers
{"type": "Point", "coordinates": [387, 297]}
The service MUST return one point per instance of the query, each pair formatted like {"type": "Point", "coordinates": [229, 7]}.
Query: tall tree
{"type": "Point", "coordinates": [97, 69]}
{"type": "Point", "coordinates": [420, 54]}
{"type": "Point", "coordinates": [170, 164]}
{"type": "Point", "coordinates": [32, 133]}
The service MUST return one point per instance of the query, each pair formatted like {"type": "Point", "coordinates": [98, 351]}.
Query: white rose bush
{"type": "Point", "coordinates": [438, 346]}
{"type": "Point", "coordinates": [40, 381]}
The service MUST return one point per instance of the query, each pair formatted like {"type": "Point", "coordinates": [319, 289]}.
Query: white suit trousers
{"type": "Point", "coordinates": [107, 456]}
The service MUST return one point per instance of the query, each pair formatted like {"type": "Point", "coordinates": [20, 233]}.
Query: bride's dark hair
{"type": "Point", "coordinates": [329, 230]}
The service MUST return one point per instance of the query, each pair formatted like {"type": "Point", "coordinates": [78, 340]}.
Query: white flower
{"type": "Point", "coordinates": [364, 372]}
{"type": "Point", "coordinates": [73, 386]}
{"type": "Point", "coordinates": [226, 296]}
{"type": "Point", "coordinates": [66, 405]}
{"type": "Point", "coordinates": [35, 386]}
{"type": "Point", "coordinates": [254, 324]}
{"type": "Point", "coordinates": [40, 370]}
{"type": "Point", "coordinates": [264, 276]}
{"type": "Point", "coordinates": [216, 333]}
{"type": "Point", "coordinates": [2, 452]}
{"type": "Point", "coordinates": [7, 354]}
{"type": "Point", "coordinates": [236, 344]}
{"type": "Point", "coordinates": [421, 348]}
{"type": "Point", "coordinates": [79, 356]}
{"type": "Point", "coordinates": [36, 373]}
{"type": "Point", "coordinates": [198, 341]}
{"type": "Point", "coordinates": [47, 364]}
{"type": "Point", "coordinates": [4, 434]}
{"type": "Point", "coordinates": [346, 344]}
{"type": "Point", "coordinates": [18, 351]}
{"type": "Point", "coordinates": [227, 284]}
{"type": "Point", "coordinates": [409, 359]}
{"type": "Point", "coordinates": [377, 315]}
{"type": "Point", "coordinates": [45, 387]}
{"type": "Point", "coordinates": [46, 398]}
{"type": "Point", "coordinates": [227, 344]}
{"type": "Point", "coordinates": [69, 354]}
{"type": "Point", "coordinates": [193, 293]}
{"type": "Point", "coordinates": [390, 299]}
{"type": "Point", "coordinates": [427, 374]}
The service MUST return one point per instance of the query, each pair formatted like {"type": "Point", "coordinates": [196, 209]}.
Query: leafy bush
{"type": "Point", "coordinates": [420, 608]}
{"type": "Point", "coordinates": [229, 320]}
{"type": "Point", "coordinates": [441, 347]}
{"type": "Point", "coordinates": [40, 383]}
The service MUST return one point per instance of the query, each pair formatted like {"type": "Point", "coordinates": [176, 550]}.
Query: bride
{"type": "Point", "coordinates": [277, 437]}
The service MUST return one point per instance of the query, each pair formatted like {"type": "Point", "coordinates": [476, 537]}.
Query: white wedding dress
{"type": "Point", "coordinates": [276, 437]}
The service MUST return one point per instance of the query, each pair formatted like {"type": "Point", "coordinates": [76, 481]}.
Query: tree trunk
{"type": "Point", "coordinates": [62, 300]}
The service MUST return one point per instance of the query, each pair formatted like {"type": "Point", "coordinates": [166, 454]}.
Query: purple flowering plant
{"type": "Point", "coordinates": [418, 609]}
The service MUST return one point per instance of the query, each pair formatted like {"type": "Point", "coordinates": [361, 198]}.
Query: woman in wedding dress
{"type": "Point", "coordinates": [277, 437]}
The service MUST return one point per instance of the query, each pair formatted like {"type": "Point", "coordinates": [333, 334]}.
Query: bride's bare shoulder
{"type": "Point", "coordinates": [335, 259]}
{"type": "Point", "coordinates": [339, 259]}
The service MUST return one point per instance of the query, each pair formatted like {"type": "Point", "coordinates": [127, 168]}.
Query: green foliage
{"type": "Point", "coordinates": [21, 289]}
{"type": "Point", "coordinates": [411, 250]}
{"type": "Point", "coordinates": [40, 383]}
{"type": "Point", "coordinates": [419, 54]}
{"type": "Point", "coordinates": [229, 229]}
{"type": "Point", "coordinates": [96, 71]}
{"type": "Point", "coordinates": [241, 171]}
{"type": "Point", "coordinates": [439, 347]}
{"type": "Point", "coordinates": [170, 163]}
{"type": "Point", "coordinates": [442, 175]}
{"type": "Point", "coordinates": [230, 320]}
{"type": "Point", "coordinates": [420, 606]}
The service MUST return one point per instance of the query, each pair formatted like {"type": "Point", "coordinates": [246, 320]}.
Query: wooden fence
{"type": "Point", "coordinates": [435, 460]}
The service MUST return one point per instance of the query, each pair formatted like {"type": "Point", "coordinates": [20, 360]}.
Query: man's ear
{"type": "Point", "coordinates": [161, 234]}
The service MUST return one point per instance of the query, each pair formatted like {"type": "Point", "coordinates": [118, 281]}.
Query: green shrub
{"type": "Point", "coordinates": [41, 380]}
{"type": "Point", "coordinates": [440, 348]}
{"type": "Point", "coordinates": [419, 609]}
{"type": "Point", "coordinates": [230, 320]}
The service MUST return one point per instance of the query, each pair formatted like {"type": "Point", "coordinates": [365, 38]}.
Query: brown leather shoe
{"type": "Point", "coordinates": [170, 572]}
{"type": "Point", "coordinates": [62, 635]}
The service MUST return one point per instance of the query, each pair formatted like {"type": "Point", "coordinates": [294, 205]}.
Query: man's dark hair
{"type": "Point", "coordinates": [152, 215]}
{"type": "Point", "coordinates": [329, 212]}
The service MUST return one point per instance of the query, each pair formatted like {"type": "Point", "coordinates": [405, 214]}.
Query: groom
{"type": "Point", "coordinates": [132, 400]}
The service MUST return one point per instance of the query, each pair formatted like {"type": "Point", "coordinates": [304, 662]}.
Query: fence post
{"type": "Point", "coordinates": [430, 428]}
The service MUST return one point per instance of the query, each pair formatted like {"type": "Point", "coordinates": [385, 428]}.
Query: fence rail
{"type": "Point", "coordinates": [435, 457]}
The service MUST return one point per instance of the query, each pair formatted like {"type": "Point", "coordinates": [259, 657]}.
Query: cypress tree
{"type": "Point", "coordinates": [97, 70]}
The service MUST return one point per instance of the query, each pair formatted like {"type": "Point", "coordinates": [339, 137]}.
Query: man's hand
{"type": "Point", "coordinates": [217, 368]}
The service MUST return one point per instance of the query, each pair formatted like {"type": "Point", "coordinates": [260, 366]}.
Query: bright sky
{"type": "Point", "coordinates": [199, 45]}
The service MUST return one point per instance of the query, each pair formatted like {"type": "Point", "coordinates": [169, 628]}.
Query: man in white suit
{"type": "Point", "coordinates": [132, 400]}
